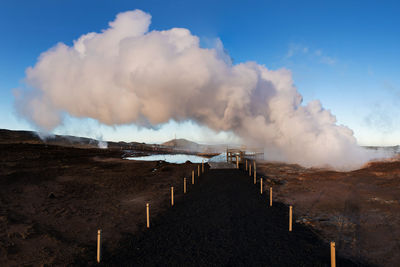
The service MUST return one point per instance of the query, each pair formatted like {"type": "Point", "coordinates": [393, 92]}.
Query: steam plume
{"type": "Point", "coordinates": [128, 74]}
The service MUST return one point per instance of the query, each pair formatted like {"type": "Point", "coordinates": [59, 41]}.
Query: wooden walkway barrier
{"type": "Point", "coordinates": [172, 195]}
{"type": "Point", "coordinates": [184, 185]}
{"type": "Point", "coordinates": [255, 173]}
{"type": "Point", "coordinates": [148, 214]}
{"type": "Point", "coordinates": [270, 196]}
{"type": "Point", "coordinates": [261, 188]}
{"type": "Point", "coordinates": [290, 218]}
{"type": "Point", "coordinates": [333, 255]}
{"type": "Point", "coordinates": [98, 245]}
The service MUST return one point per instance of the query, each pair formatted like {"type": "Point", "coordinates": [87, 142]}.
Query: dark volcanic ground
{"type": "Point", "coordinates": [223, 221]}
{"type": "Point", "coordinates": [359, 209]}
{"type": "Point", "coordinates": [54, 198]}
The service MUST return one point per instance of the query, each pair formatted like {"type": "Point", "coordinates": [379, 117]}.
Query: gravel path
{"type": "Point", "coordinates": [223, 220]}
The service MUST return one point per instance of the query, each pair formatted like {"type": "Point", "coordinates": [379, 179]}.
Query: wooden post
{"type": "Point", "coordinates": [261, 189]}
{"type": "Point", "coordinates": [270, 196]}
{"type": "Point", "coordinates": [250, 170]}
{"type": "Point", "coordinates": [237, 162]}
{"type": "Point", "coordinates": [98, 245]}
{"type": "Point", "coordinates": [172, 195]}
{"type": "Point", "coordinates": [246, 164]}
{"type": "Point", "coordinates": [192, 175]}
{"type": "Point", "coordinates": [202, 166]}
{"type": "Point", "coordinates": [192, 179]}
{"type": "Point", "coordinates": [148, 214]}
{"type": "Point", "coordinates": [184, 185]}
{"type": "Point", "coordinates": [255, 172]}
{"type": "Point", "coordinates": [198, 170]}
{"type": "Point", "coordinates": [333, 255]}
{"type": "Point", "coordinates": [227, 156]}
{"type": "Point", "coordinates": [290, 218]}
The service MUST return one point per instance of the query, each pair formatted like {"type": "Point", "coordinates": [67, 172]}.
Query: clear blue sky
{"type": "Point", "coordinates": [344, 53]}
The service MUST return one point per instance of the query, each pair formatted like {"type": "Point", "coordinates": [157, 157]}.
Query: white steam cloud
{"type": "Point", "coordinates": [128, 74]}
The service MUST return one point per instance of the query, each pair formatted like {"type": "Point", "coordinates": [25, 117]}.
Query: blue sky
{"type": "Point", "coordinates": [344, 53]}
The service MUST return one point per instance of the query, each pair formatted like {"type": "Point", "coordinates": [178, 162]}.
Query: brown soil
{"type": "Point", "coordinates": [360, 210]}
{"type": "Point", "coordinates": [53, 199]}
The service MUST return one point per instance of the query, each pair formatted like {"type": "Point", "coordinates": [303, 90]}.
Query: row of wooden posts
{"type": "Point", "coordinates": [248, 167]}
{"type": "Point", "coordinates": [148, 207]}
{"type": "Point", "coordinates": [172, 192]}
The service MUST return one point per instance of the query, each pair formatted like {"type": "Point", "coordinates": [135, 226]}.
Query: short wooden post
{"type": "Point", "coordinates": [148, 214]}
{"type": "Point", "coordinates": [98, 245]}
{"type": "Point", "coordinates": [261, 188]}
{"type": "Point", "coordinates": [333, 255]}
{"type": "Point", "coordinates": [255, 173]}
{"type": "Point", "coordinates": [270, 196]}
{"type": "Point", "coordinates": [202, 166]}
{"type": "Point", "coordinates": [250, 170]}
{"type": "Point", "coordinates": [246, 164]}
{"type": "Point", "coordinates": [192, 179]}
{"type": "Point", "coordinates": [290, 218]}
{"type": "Point", "coordinates": [237, 162]}
{"type": "Point", "coordinates": [198, 170]}
{"type": "Point", "coordinates": [172, 195]}
{"type": "Point", "coordinates": [184, 185]}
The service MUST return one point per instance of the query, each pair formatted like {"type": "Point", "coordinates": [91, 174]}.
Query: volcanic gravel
{"type": "Point", "coordinates": [223, 220]}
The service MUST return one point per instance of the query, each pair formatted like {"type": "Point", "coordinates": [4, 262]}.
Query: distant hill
{"type": "Point", "coordinates": [392, 149]}
{"type": "Point", "coordinates": [183, 144]}
{"type": "Point", "coordinates": [31, 137]}
{"type": "Point", "coordinates": [9, 136]}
